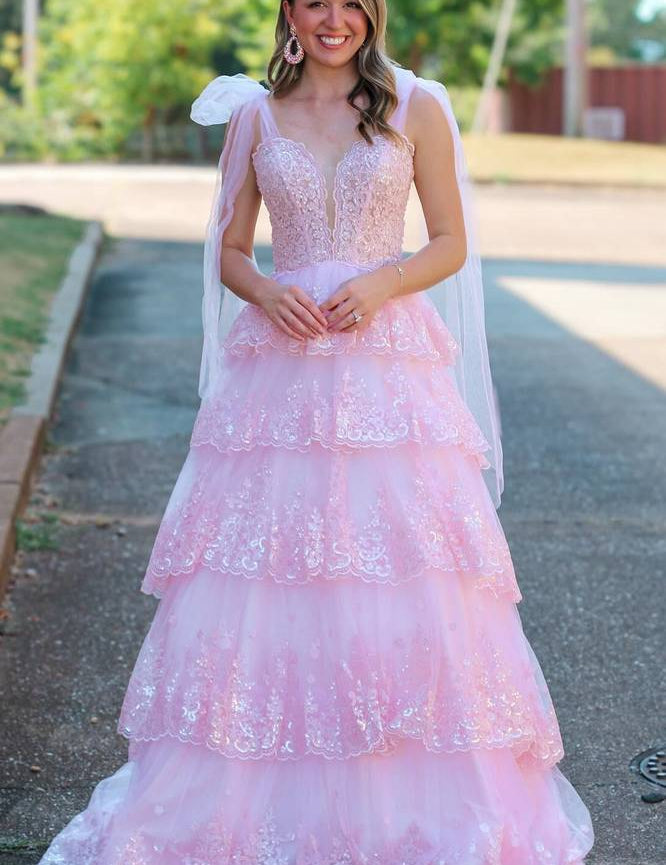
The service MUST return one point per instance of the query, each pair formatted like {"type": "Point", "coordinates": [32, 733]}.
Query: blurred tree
{"type": "Point", "coordinates": [252, 34]}
{"type": "Point", "coordinates": [105, 75]}
{"type": "Point", "coordinates": [448, 39]}
{"type": "Point", "coordinates": [10, 15]}
{"type": "Point", "coordinates": [617, 28]}
{"type": "Point", "coordinates": [452, 39]}
{"type": "Point", "coordinates": [10, 28]}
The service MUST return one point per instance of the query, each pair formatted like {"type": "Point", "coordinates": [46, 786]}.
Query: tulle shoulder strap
{"type": "Point", "coordinates": [405, 81]}
{"type": "Point", "coordinates": [222, 96]}
{"type": "Point", "coordinates": [230, 99]}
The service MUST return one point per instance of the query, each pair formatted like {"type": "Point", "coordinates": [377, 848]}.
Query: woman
{"type": "Point", "coordinates": [336, 671]}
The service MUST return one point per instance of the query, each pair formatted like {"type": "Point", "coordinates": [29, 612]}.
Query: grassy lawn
{"type": "Point", "coordinates": [551, 159]}
{"type": "Point", "coordinates": [34, 251]}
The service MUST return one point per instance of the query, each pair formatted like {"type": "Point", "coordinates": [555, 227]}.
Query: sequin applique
{"type": "Point", "coordinates": [371, 189]}
{"type": "Point", "coordinates": [341, 403]}
{"type": "Point", "coordinates": [297, 517]}
{"type": "Point", "coordinates": [243, 690]}
{"type": "Point", "coordinates": [266, 844]}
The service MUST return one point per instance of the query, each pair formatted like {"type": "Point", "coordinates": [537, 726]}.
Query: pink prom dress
{"type": "Point", "coordinates": [336, 672]}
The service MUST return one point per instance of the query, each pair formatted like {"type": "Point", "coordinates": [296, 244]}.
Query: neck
{"type": "Point", "coordinates": [325, 83]}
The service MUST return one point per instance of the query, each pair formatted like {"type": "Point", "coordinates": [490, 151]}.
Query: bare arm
{"type": "Point", "coordinates": [437, 188]}
{"type": "Point", "coordinates": [288, 306]}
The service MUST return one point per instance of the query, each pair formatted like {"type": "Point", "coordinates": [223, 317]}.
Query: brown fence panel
{"type": "Point", "coordinates": [639, 90]}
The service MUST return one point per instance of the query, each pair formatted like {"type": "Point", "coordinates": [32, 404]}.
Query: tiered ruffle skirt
{"type": "Point", "coordinates": [336, 672]}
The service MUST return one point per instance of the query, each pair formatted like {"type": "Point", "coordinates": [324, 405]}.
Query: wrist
{"type": "Point", "coordinates": [264, 290]}
{"type": "Point", "coordinates": [395, 279]}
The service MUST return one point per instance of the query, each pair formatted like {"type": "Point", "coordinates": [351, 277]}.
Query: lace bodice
{"type": "Point", "coordinates": [370, 192]}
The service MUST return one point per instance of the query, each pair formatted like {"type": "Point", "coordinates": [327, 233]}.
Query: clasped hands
{"type": "Point", "coordinates": [298, 315]}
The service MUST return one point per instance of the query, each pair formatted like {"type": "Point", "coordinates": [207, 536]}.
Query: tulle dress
{"type": "Point", "coordinates": [336, 671]}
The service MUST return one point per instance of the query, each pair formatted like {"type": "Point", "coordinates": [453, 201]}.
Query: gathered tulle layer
{"type": "Point", "coordinates": [329, 515]}
{"type": "Point", "coordinates": [257, 670]}
{"type": "Point", "coordinates": [173, 803]}
{"type": "Point", "coordinates": [404, 326]}
{"type": "Point", "coordinates": [346, 401]}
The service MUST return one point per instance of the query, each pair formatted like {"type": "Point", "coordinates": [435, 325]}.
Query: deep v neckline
{"type": "Point", "coordinates": [327, 194]}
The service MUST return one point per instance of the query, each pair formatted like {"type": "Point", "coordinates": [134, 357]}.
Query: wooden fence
{"type": "Point", "coordinates": [638, 90]}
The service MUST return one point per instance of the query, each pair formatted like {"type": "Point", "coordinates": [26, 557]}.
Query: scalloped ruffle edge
{"type": "Point", "coordinates": [297, 518]}
{"type": "Point", "coordinates": [260, 671]}
{"type": "Point", "coordinates": [342, 403]}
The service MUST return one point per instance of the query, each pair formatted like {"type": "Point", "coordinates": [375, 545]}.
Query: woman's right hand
{"type": "Point", "coordinates": [293, 311]}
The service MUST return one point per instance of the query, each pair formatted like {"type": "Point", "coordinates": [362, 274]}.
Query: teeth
{"type": "Point", "coordinates": [332, 40]}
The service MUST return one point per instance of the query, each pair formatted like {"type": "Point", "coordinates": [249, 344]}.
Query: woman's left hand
{"type": "Point", "coordinates": [364, 294]}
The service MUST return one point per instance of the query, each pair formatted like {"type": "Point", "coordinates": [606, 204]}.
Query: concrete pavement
{"type": "Point", "coordinates": [542, 223]}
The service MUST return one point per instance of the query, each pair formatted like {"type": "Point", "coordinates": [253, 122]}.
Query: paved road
{"type": "Point", "coordinates": [536, 222]}
{"type": "Point", "coordinates": [584, 512]}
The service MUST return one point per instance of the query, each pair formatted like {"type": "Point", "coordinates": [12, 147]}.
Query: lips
{"type": "Point", "coordinates": [332, 41]}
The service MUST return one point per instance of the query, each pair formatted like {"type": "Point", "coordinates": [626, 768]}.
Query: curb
{"type": "Point", "coordinates": [22, 438]}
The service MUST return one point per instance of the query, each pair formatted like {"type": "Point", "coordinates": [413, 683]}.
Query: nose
{"type": "Point", "coordinates": [334, 18]}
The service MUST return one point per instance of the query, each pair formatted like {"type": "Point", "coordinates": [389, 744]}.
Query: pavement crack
{"type": "Point", "coordinates": [100, 519]}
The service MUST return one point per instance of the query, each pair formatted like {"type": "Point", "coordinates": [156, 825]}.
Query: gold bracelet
{"type": "Point", "coordinates": [401, 271]}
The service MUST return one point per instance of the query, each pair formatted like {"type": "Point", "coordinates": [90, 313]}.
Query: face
{"type": "Point", "coordinates": [330, 31]}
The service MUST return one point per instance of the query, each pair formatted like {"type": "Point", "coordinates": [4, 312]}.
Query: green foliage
{"type": "Point", "coordinates": [614, 25]}
{"type": "Point", "coordinates": [105, 75]}
{"type": "Point", "coordinates": [22, 134]}
{"type": "Point", "coordinates": [452, 39]}
{"type": "Point", "coordinates": [464, 101]}
{"type": "Point", "coordinates": [446, 39]}
{"type": "Point", "coordinates": [110, 71]}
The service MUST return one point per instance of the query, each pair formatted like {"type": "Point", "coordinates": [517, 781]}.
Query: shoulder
{"type": "Point", "coordinates": [425, 117]}
{"type": "Point", "coordinates": [423, 107]}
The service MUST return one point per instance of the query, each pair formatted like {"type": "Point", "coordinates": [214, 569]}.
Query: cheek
{"type": "Point", "coordinates": [308, 21]}
{"type": "Point", "coordinates": [358, 22]}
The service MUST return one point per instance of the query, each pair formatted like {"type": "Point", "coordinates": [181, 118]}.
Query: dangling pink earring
{"type": "Point", "coordinates": [293, 53]}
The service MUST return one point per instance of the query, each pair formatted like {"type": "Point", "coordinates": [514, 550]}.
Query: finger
{"type": "Point", "coordinates": [331, 302]}
{"type": "Point", "coordinates": [284, 327]}
{"type": "Point", "coordinates": [348, 323]}
{"type": "Point", "coordinates": [300, 315]}
{"type": "Point", "coordinates": [304, 312]}
{"type": "Point", "coordinates": [294, 322]}
{"type": "Point", "coordinates": [339, 296]}
{"type": "Point", "coordinates": [339, 317]}
{"type": "Point", "coordinates": [306, 301]}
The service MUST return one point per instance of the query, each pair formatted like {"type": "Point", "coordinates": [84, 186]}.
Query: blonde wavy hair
{"type": "Point", "coordinates": [376, 78]}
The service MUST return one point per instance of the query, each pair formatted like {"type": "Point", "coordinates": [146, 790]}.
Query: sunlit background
{"type": "Point", "coordinates": [562, 104]}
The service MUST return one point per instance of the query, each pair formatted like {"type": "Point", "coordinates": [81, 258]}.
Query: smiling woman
{"type": "Point", "coordinates": [336, 673]}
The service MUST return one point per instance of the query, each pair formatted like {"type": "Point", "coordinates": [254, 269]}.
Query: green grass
{"type": "Point", "coordinates": [34, 252]}
{"type": "Point", "coordinates": [38, 536]}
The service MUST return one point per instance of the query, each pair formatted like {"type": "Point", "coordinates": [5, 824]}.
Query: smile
{"type": "Point", "coordinates": [333, 41]}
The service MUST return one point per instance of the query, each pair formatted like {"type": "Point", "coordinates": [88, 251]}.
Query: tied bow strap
{"type": "Point", "coordinates": [222, 96]}
{"type": "Point", "coordinates": [223, 100]}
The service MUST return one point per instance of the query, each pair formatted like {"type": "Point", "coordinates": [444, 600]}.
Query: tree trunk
{"type": "Point", "coordinates": [148, 141]}
{"type": "Point", "coordinates": [415, 58]}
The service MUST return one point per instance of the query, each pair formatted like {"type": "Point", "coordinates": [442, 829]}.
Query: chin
{"type": "Point", "coordinates": [335, 62]}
